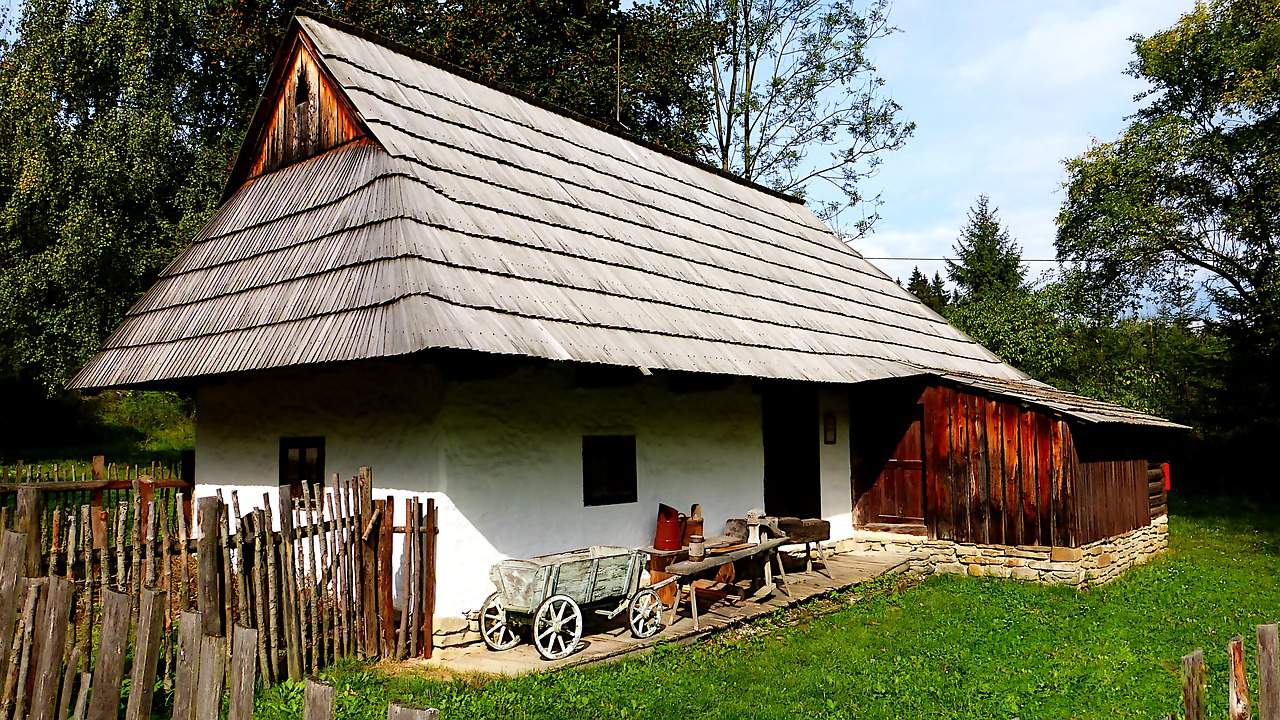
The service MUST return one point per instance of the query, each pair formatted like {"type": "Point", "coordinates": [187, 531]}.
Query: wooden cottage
{"type": "Point", "coordinates": [550, 327]}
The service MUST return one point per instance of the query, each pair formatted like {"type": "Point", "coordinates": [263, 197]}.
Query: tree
{"type": "Point", "coordinates": [988, 261]}
{"type": "Point", "coordinates": [121, 120]}
{"type": "Point", "coordinates": [1194, 182]}
{"type": "Point", "coordinates": [934, 294]}
{"type": "Point", "coordinates": [797, 100]}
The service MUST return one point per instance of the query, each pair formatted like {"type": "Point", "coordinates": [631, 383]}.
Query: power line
{"type": "Point", "coordinates": [869, 257]}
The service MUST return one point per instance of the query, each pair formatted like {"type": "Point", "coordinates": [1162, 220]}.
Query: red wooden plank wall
{"type": "Point", "coordinates": [1001, 473]}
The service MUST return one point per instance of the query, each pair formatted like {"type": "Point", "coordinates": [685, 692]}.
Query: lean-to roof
{"type": "Point", "coordinates": [471, 218]}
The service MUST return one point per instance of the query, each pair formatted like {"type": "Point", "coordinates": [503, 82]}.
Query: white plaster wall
{"type": "Point", "coordinates": [501, 457]}
{"type": "Point", "coordinates": [834, 463]}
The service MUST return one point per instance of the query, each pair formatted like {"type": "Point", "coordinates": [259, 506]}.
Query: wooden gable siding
{"type": "Point", "coordinates": [306, 115]}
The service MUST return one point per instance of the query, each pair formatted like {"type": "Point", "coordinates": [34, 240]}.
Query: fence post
{"type": "Point", "coordinates": [146, 653]}
{"type": "Point", "coordinates": [1238, 682]}
{"type": "Point", "coordinates": [289, 613]}
{"type": "Point", "coordinates": [386, 575]}
{"type": "Point", "coordinates": [208, 567]}
{"type": "Point", "coordinates": [1268, 673]}
{"type": "Point", "coordinates": [213, 668]}
{"type": "Point", "coordinates": [97, 518]}
{"type": "Point", "coordinates": [27, 520]}
{"type": "Point", "coordinates": [244, 656]}
{"type": "Point", "coordinates": [108, 670]}
{"type": "Point", "coordinates": [368, 565]}
{"type": "Point", "coordinates": [188, 672]}
{"type": "Point", "coordinates": [1193, 685]}
{"type": "Point", "coordinates": [318, 700]}
{"type": "Point", "coordinates": [13, 550]}
{"type": "Point", "coordinates": [52, 635]}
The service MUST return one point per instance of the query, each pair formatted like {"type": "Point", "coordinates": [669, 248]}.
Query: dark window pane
{"type": "Point", "coordinates": [302, 460]}
{"type": "Point", "coordinates": [608, 469]}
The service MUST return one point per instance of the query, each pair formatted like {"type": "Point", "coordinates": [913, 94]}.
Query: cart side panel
{"type": "Point", "coordinates": [574, 580]}
{"type": "Point", "coordinates": [520, 585]}
{"type": "Point", "coordinates": [613, 578]}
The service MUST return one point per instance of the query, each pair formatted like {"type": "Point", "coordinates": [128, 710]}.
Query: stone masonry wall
{"type": "Point", "coordinates": [1093, 564]}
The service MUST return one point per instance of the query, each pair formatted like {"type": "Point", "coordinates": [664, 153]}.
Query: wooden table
{"type": "Point", "coordinates": [687, 569]}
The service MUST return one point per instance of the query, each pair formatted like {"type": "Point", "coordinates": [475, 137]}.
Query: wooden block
{"type": "Point", "coordinates": [243, 672]}
{"type": "Point", "coordinates": [399, 711]}
{"type": "Point", "coordinates": [213, 667]}
{"type": "Point", "coordinates": [209, 589]}
{"type": "Point", "coordinates": [1193, 685]}
{"type": "Point", "coordinates": [108, 670]}
{"type": "Point", "coordinates": [318, 700]}
{"type": "Point", "coordinates": [146, 653]}
{"type": "Point", "coordinates": [1268, 673]}
{"type": "Point", "coordinates": [188, 662]}
{"type": "Point", "coordinates": [52, 629]}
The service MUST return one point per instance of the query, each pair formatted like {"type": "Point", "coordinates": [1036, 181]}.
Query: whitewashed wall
{"type": "Point", "coordinates": [501, 457]}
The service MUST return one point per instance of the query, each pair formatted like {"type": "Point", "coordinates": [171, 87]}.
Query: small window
{"type": "Point", "coordinates": [302, 460]}
{"type": "Point", "coordinates": [608, 469]}
{"type": "Point", "coordinates": [302, 88]}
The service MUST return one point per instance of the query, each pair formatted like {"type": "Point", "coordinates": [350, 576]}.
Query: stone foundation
{"type": "Point", "coordinates": [1093, 564]}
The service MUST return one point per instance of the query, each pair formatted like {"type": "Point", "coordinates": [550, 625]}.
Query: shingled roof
{"type": "Point", "coordinates": [452, 214]}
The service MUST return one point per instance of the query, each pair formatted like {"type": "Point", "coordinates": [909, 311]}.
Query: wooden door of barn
{"type": "Point", "coordinates": [889, 482]}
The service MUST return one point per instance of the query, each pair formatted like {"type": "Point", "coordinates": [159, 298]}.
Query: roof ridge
{"type": "Point", "coordinates": [462, 72]}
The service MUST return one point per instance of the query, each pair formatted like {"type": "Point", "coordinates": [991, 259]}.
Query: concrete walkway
{"type": "Point", "coordinates": [612, 640]}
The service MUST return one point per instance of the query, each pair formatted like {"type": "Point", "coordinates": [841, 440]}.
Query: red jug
{"type": "Point", "coordinates": [670, 532]}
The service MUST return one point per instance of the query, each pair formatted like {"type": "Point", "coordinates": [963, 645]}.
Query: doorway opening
{"type": "Point", "coordinates": [792, 434]}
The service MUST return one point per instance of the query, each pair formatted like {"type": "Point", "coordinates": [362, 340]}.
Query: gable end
{"type": "Point", "coordinates": [303, 114]}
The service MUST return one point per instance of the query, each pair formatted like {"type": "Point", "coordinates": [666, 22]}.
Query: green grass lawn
{"type": "Point", "coordinates": [949, 647]}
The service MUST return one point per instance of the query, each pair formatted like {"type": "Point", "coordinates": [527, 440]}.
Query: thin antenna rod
{"type": "Point", "coordinates": [617, 107]}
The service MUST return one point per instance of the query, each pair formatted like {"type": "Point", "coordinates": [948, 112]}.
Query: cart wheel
{"type": "Point", "coordinates": [494, 628]}
{"type": "Point", "coordinates": [557, 627]}
{"type": "Point", "coordinates": [645, 614]}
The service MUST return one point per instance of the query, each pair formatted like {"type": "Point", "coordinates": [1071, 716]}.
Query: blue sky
{"type": "Point", "coordinates": [1002, 91]}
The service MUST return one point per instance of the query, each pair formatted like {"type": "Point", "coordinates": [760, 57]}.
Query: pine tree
{"type": "Point", "coordinates": [989, 260]}
{"type": "Point", "coordinates": [933, 294]}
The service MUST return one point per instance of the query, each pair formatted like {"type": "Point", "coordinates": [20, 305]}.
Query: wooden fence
{"type": "Point", "coordinates": [312, 583]}
{"type": "Point", "coordinates": [1239, 707]}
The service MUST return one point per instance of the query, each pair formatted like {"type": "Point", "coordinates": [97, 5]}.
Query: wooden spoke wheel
{"type": "Point", "coordinates": [557, 627]}
{"type": "Point", "coordinates": [645, 614]}
{"type": "Point", "coordinates": [494, 628]}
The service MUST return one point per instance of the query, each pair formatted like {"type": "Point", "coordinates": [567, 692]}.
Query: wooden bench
{"type": "Point", "coordinates": [688, 569]}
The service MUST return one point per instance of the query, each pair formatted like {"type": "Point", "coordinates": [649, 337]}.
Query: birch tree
{"type": "Point", "coordinates": [798, 103]}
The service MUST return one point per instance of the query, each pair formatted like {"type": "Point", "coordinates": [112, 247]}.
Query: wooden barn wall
{"type": "Point", "coordinates": [1112, 483]}
{"type": "Point", "coordinates": [305, 121]}
{"type": "Point", "coordinates": [997, 473]}
{"type": "Point", "coordinates": [1002, 473]}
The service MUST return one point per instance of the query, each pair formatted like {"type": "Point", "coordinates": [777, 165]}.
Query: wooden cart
{"type": "Point", "coordinates": [549, 594]}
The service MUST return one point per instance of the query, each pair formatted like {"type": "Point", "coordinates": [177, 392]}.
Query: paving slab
{"type": "Point", "coordinates": [610, 641]}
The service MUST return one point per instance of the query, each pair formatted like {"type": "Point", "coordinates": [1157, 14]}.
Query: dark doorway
{"type": "Point", "coordinates": [792, 485]}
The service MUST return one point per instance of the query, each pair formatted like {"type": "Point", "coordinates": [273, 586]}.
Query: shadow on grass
{"type": "Point", "coordinates": [1240, 515]}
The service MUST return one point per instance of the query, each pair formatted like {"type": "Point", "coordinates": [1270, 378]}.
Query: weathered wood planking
{"type": "Point", "coordinates": [1268, 672]}
{"type": "Point", "coordinates": [108, 668]}
{"type": "Point", "coordinates": [1193, 685]}
{"type": "Point", "coordinates": [146, 653]}
{"type": "Point", "coordinates": [52, 631]}
{"type": "Point", "coordinates": [243, 672]}
{"type": "Point", "coordinates": [997, 471]}
{"type": "Point", "coordinates": [305, 115]}
{"type": "Point", "coordinates": [318, 700]}
{"type": "Point", "coordinates": [209, 683]}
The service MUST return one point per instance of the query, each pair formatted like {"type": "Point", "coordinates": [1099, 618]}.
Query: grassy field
{"type": "Point", "coordinates": [949, 647]}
